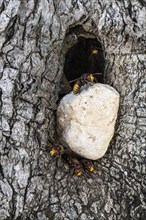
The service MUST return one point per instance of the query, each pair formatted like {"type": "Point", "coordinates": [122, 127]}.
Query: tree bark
{"type": "Point", "coordinates": [34, 39]}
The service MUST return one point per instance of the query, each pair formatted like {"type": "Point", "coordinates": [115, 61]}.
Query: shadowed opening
{"type": "Point", "coordinates": [82, 58]}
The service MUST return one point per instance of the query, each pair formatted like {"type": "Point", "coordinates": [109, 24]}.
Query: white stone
{"type": "Point", "coordinates": [86, 120]}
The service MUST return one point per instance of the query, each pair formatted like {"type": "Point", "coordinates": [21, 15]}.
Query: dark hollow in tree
{"type": "Point", "coordinates": [79, 59]}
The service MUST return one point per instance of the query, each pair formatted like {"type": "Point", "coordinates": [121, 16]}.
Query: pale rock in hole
{"type": "Point", "coordinates": [86, 120]}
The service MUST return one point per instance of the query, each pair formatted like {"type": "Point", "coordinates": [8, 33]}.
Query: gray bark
{"type": "Point", "coordinates": [33, 47]}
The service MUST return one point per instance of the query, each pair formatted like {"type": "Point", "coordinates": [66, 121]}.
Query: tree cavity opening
{"type": "Point", "coordinates": [80, 59]}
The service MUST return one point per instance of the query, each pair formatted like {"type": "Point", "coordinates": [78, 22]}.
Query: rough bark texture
{"type": "Point", "coordinates": [33, 47]}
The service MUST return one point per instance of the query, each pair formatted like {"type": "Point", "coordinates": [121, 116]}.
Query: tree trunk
{"type": "Point", "coordinates": [35, 36]}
